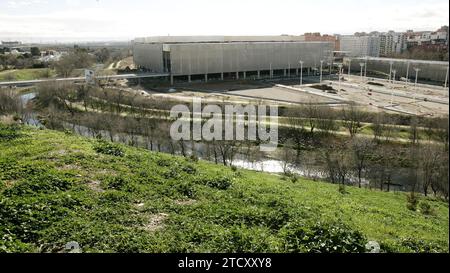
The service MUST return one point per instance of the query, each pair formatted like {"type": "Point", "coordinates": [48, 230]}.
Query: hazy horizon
{"type": "Point", "coordinates": [99, 20]}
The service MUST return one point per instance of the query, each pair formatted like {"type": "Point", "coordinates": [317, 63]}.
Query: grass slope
{"type": "Point", "coordinates": [57, 187]}
{"type": "Point", "coordinates": [26, 74]}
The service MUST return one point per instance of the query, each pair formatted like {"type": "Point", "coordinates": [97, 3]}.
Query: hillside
{"type": "Point", "coordinates": [57, 187]}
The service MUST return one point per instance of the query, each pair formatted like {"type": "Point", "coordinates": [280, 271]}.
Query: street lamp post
{"type": "Point", "coordinates": [390, 70]}
{"type": "Point", "coordinates": [321, 64]}
{"type": "Point", "coordinates": [415, 84]}
{"type": "Point", "coordinates": [361, 74]}
{"type": "Point", "coordinates": [446, 79]}
{"type": "Point", "coordinates": [417, 74]}
{"type": "Point", "coordinates": [407, 73]}
{"type": "Point", "coordinates": [349, 67]}
{"type": "Point", "coordinates": [329, 70]}
{"type": "Point", "coordinates": [365, 68]}
{"type": "Point", "coordinates": [301, 73]}
{"type": "Point", "coordinates": [340, 69]}
{"type": "Point", "coordinates": [270, 71]}
{"type": "Point", "coordinates": [392, 90]}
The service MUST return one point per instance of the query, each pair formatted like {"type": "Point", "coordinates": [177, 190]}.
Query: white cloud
{"type": "Point", "coordinates": [93, 19]}
{"type": "Point", "coordinates": [25, 3]}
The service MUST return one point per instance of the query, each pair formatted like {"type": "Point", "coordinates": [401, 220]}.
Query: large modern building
{"type": "Point", "coordinates": [360, 46]}
{"type": "Point", "coordinates": [229, 56]}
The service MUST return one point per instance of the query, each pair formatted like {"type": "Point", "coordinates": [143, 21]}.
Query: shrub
{"type": "Point", "coordinates": [294, 178]}
{"type": "Point", "coordinates": [10, 244]}
{"type": "Point", "coordinates": [186, 189]}
{"type": "Point", "coordinates": [189, 169]}
{"type": "Point", "coordinates": [13, 169]}
{"type": "Point", "coordinates": [9, 102]}
{"type": "Point", "coordinates": [42, 183]}
{"type": "Point", "coordinates": [114, 197]}
{"type": "Point", "coordinates": [241, 239]}
{"type": "Point", "coordinates": [171, 173]}
{"type": "Point", "coordinates": [301, 237]}
{"type": "Point", "coordinates": [412, 200]}
{"type": "Point", "coordinates": [162, 162]}
{"type": "Point", "coordinates": [218, 182]}
{"type": "Point", "coordinates": [421, 246]}
{"type": "Point", "coordinates": [108, 148]}
{"type": "Point", "coordinates": [193, 158]}
{"type": "Point", "coordinates": [26, 217]}
{"type": "Point", "coordinates": [278, 215]}
{"type": "Point", "coordinates": [426, 208]}
{"type": "Point", "coordinates": [116, 183]}
{"type": "Point", "coordinates": [9, 132]}
{"type": "Point", "coordinates": [342, 189]}
{"type": "Point", "coordinates": [288, 175]}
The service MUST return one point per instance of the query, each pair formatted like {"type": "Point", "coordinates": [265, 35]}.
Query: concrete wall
{"type": "Point", "coordinates": [429, 70]}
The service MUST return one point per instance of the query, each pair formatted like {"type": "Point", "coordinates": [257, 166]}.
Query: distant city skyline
{"type": "Point", "coordinates": [114, 20]}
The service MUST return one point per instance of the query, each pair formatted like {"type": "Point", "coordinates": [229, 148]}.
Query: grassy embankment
{"type": "Point", "coordinates": [38, 73]}
{"type": "Point", "coordinates": [26, 74]}
{"type": "Point", "coordinates": [57, 187]}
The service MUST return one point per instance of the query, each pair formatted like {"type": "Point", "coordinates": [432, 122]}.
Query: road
{"type": "Point", "coordinates": [81, 79]}
{"type": "Point", "coordinates": [383, 90]}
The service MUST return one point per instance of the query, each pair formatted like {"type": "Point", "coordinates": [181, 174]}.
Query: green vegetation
{"type": "Point", "coordinates": [57, 187]}
{"type": "Point", "coordinates": [26, 74]}
{"type": "Point", "coordinates": [108, 148]}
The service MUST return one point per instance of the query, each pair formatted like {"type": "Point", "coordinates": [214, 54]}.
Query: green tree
{"type": "Point", "coordinates": [35, 51]}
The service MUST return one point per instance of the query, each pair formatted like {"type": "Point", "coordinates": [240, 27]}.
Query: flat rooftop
{"type": "Point", "coordinates": [381, 59]}
{"type": "Point", "coordinates": [217, 39]}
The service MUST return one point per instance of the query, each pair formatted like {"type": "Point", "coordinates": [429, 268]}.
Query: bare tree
{"type": "Point", "coordinates": [352, 118]}
{"type": "Point", "coordinates": [310, 113]}
{"type": "Point", "coordinates": [287, 156]}
{"type": "Point", "coordinates": [297, 134]}
{"type": "Point", "coordinates": [378, 126]}
{"type": "Point", "coordinates": [326, 119]}
{"type": "Point", "coordinates": [390, 127]}
{"type": "Point", "coordinates": [413, 130]}
{"type": "Point", "coordinates": [431, 158]}
{"type": "Point", "coordinates": [442, 130]}
{"type": "Point", "coordinates": [331, 165]}
{"type": "Point", "coordinates": [227, 151]}
{"type": "Point", "coordinates": [73, 60]}
{"type": "Point", "coordinates": [57, 94]}
{"type": "Point", "coordinates": [9, 102]}
{"type": "Point", "coordinates": [382, 165]}
{"type": "Point", "coordinates": [338, 163]}
{"type": "Point", "coordinates": [362, 149]}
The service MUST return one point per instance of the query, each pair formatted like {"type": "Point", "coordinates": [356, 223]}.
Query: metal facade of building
{"type": "Point", "coordinates": [218, 54]}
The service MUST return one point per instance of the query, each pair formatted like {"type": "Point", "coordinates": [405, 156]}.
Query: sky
{"type": "Point", "coordinates": [83, 20]}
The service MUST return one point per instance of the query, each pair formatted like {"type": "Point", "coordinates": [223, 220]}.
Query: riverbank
{"type": "Point", "coordinates": [58, 187]}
